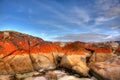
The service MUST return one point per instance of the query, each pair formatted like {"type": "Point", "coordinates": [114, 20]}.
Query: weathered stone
{"type": "Point", "coordinates": [101, 54]}
{"type": "Point", "coordinates": [51, 75]}
{"type": "Point", "coordinates": [73, 78]}
{"type": "Point", "coordinates": [26, 75]}
{"type": "Point", "coordinates": [6, 77]}
{"type": "Point", "coordinates": [109, 69]}
{"type": "Point", "coordinates": [43, 56]}
{"type": "Point", "coordinates": [36, 78]}
{"type": "Point", "coordinates": [22, 53]}
{"type": "Point", "coordinates": [76, 63]}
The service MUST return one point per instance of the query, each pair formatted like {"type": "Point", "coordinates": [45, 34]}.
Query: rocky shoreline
{"type": "Point", "coordinates": [24, 57]}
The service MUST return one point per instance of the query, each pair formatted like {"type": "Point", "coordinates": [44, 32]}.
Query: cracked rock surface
{"type": "Point", "coordinates": [24, 57]}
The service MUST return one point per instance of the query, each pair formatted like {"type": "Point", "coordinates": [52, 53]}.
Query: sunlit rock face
{"type": "Point", "coordinates": [109, 69]}
{"type": "Point", "coordinates": [105, 62]}
{"type": "Point", "coordinates": [75, 58]}
{"type": "Point", "coordinates": [44, 56]}
{"type": "Point", "coordinates": [14, 53]}
{"type": "Point", "coordinates": [22, 53]}
{"type": "Point", "coordinates": [101, 54]}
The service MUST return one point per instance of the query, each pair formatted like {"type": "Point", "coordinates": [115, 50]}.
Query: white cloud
{"type": "Point", "coordinates": [109, 8]}
{"type": "Point", "coordinates": [114, 11]}
{"type": "Point", "coordinates": [75, 16]}
{"type": "Point", "coordinates": [101, 20]}
{"type": "Point", "coordinates": [106, 4]}
{"type": "Point", "coordinates": [113, 38]}
{"type": "Point", "coordinates": [82, 37]}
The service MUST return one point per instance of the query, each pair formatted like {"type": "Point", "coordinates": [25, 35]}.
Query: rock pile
{"type": "Point", "coordinates": [24, 57]}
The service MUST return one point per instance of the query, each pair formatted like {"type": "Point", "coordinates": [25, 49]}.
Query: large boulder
{"type": "Point", "coordinates": [101, 54]}
{"type": "Point", "coordinates": [44, 56]}
{"type": "Point", "coordinates": [107, 70]}
{"type": "Point", "coordinates": [14, 53]}
{"type": "Point", "coordinates": [75, 58]}
{"type": "Point", "coordinates": [20, 53]}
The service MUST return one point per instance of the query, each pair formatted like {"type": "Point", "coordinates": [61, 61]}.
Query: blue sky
{"type": "Point", "coordinates": [63, 20]}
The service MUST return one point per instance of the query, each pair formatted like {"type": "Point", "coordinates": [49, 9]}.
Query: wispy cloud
{"type": "Point", "coordinates": [87, 37]}
{"type": "Point", "coordinates": [113, 38]}
{"type": "Point", "coordinates": [101, 20]}
{"type": "Point", "coordinates": [109, 8]}
{"type": "Point", "coordinates": [114, 26]}
{"type": "Point", "coordinates": [74, 15]}
{"type": "Point", "coordinates": [46, 37]}
{"type": "Point", "coordinates": [114, 11]}
{"type": "Point", "coordinates": [106, 11]}
{"type": "Point", "coordinates": [82, 37]}
{"type": "Point", "coordinates": [81, 17]}
{"type": "Point", "coordinates": [81, 14]}
{"type": "Point", "coordinates": [107, 4]}
{"type": "Point", "coordinates": [53, 24]}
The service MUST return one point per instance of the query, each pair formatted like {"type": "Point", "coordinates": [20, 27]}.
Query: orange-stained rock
{"type": "Point", "coordinates": [75, 62]}
{"type": "Point", "coordinates": [44, 56]}
{"type": "Point", "coordinates": [103, 50]}
{"type": "Point", "coordinates": [101, 54]}
{"type": "Point", "coordinates": [75, 58]}
{"type": "Point", "coordinates": [14, 53]}
{"type": "Point", "coordinates": [76, 48]}
{"type": "Point", "coordinates": [6, 48]}
{"type": "Point", "coordinates": [34, 41]}
{"type": "Point", "coordinates": [20, 53]}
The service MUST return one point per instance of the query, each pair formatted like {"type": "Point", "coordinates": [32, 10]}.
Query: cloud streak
{"type": "Point", "coordinates": [82, 37]}
{"type": "Point", "coordinates": [87, 37]}
{"type": "Point", "coordinates": [101, 20]}
{"type": "Point", "coordinates": [53, 24]}
{"type": "Point", "coordinates": [73, 15]}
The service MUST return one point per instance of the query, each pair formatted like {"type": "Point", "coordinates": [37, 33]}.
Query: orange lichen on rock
{"type": "Point", "coordinates": [45, 47]}
{"type": "Point", "coordinates": [75, 48]}
{"type": "Point", "coordinates": [75, 53]}
{"type": "Point", "coordinates": [21, 53]}
{"type": "Point", "coordinates": [20, 40]}
{"type": "Point", "coordinates": [103, 50]}
{"type": "Point", "coordinates": [74, 45]}
{"type": "Point", "coordinates": [12, 42]}
{"type": "Point", "coordinates": [7, 47]}
{"type": "Point", "coordinates": [34, 41]}
{"type": "Point", "coordinates": [101, 54]}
